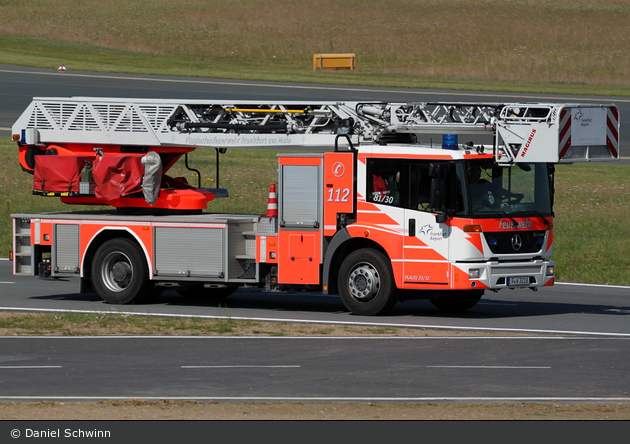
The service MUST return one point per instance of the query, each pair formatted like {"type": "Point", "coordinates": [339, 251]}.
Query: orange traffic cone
{"type": "Point", "coordinates": [272, 203]}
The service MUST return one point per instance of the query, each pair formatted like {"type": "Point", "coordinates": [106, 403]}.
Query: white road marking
{"type": "Point", "coordinates": [592, 285]}
{"type": "Point", "coordinates": [489, 366]}
{"type": "Point", "coordinates": [240, 366]}
{"type": "Point", "coordinates": [326, 399]}
{"type": "Point", "coordinates": [618, 310]}
{"type": "Point", "coordinates": [509, 304]}
{"type": "Point", "coordinates": [28, 366]}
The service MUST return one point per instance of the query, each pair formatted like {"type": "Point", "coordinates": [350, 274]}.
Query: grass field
{"type": "Point", "coordinates": [561, 46]}
{"type": "Point", "coordinates": [592, 205]}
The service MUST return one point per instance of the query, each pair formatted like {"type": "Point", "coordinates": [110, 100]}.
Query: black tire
{"type": "Point", "coordinates": [366, 283]}
{"type": "Point", "coordinates": [120, 274]}
{"type": "Point", "coordinates": [457, 301]}
{"type": "Point", "coordinates": [199, 293]}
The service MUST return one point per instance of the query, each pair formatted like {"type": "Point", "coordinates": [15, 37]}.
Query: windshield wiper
{"type": "Point", "coordinates": [510, 217]}
{"type": "Point", "coordinates": [536, 213]}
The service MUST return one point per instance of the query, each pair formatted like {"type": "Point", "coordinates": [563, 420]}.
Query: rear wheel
{"type": "Point", "coordinates": [366, 283]}
{"type": "Point", "coordinates": [120, 274]}
{"type": "Point", "coordinates": [457, 300]}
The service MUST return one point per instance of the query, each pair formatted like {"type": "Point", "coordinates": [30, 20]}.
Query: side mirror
{"type": "Point", "coordinates": [442, 217]}
{"type": "Point", "coordinates": [437, 172]}
{"type": "Point", "coordinates": [436, 197]}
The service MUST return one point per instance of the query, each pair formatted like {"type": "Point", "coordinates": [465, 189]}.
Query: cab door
{"type": "Point", "coordinates": [425, 244]}
{"type": "Point", "coordinates": [424, 241]}
{"type": "Point", "coordinates": [425, 249]}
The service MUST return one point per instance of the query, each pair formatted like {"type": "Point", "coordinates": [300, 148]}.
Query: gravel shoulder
{"type": "Point", "coordinates": [136, 410]}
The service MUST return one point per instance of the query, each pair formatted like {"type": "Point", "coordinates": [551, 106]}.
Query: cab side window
{"type": "Point", "coordinates": [408, 184]}
{"type": "Point", "coordinates": [385, 181]}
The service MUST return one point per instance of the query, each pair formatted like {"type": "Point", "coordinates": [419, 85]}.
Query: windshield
{"type": "Point", "coordinates": [519, 190]}
{"type": "Point", "coordinates": [472, 188]}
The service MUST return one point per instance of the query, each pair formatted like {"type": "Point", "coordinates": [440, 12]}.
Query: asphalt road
{"type": "Point", "coordinates": [577, 351]}
{"type": "Point", "coordinates": [563, 309]}
{"type": "Point", "coordinates": [315, 369]}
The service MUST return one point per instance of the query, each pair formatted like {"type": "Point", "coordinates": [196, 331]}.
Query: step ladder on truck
{"type": "Point", "coordinates": [379, 202]}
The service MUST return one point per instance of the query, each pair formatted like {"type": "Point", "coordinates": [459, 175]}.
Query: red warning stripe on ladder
{"type": "Point", "coordinates": [612, 134]}
{"type": "Point", "coordinates": [565, 132]}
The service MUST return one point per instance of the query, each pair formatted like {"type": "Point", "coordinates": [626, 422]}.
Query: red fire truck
{"type": "Point", "coordinates": [381, 202]}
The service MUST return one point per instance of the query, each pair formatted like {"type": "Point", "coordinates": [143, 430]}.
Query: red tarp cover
{"type": "Point", "coordinates": [58, 173]}
{"type": "Point", "coordinates": [117, 175]}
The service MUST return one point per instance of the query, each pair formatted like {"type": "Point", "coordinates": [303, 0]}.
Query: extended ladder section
{"type": "Point", "coordinates": [556, 133]}
{"type": "Point", "coordinates": [528, 132]}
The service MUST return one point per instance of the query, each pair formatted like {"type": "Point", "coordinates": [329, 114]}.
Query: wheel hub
{"type": "Point", "coordinates": [121, 271]}
{"type": "Point", "coordinates": [116, 271]}
{"type": "Point", "coordinates": [364, 283]}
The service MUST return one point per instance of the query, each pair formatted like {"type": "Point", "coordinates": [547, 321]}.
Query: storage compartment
{"type": "Point", "coordinates": [190, 252]}
{"type": "Point", "coordinates": [65, 254]}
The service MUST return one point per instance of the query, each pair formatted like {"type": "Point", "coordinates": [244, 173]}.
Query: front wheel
{"type": "Point", "coordinates": [366, 283]}
{"type": "Point", "coordinates": [457, 300]}
{"type": "Point", "coordinates": [120, 273]}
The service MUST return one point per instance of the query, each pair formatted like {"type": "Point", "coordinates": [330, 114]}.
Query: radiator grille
{"type": "Point", "coordinates": [511, 269]}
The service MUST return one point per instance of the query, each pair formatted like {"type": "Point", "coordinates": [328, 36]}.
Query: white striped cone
{"type": "Point", "coordinates": [272, 203]}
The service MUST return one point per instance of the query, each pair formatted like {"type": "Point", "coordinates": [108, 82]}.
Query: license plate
{"type": "Point", "coordinates": [520, 280]}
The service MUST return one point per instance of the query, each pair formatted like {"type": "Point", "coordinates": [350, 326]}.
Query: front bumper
{"type": "Point", "coordinates": [498, 275]}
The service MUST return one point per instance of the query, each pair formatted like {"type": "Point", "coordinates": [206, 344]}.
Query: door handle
{"type": "Point", "coordinates": [412, 227]}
